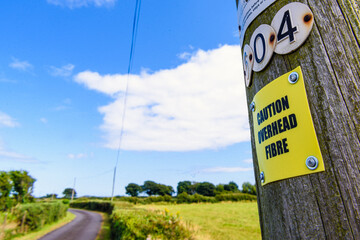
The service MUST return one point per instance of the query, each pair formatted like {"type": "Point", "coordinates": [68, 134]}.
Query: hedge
{"type": "Point", "coordinates": [100, 206]}
{"type": "Point", "coordinates": [39, 214]}
{"type": "Point", "coordinates": [127, 222]}
{"type": "Point", "coordinates": [235, 197]}
{"type": "Point", "coordinates": [186, 198]}
{"type": "Point", "coordinates": [142, 224]}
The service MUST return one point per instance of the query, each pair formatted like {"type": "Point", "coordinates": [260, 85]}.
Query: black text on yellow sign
{"type": "Point", "coordinates": [284, 133]}
{"type": "Point", "coordinates": [276, 127]}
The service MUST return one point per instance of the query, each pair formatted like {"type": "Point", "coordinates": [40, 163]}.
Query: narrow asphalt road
{"type": "Point", "coordinates": [85, 226]}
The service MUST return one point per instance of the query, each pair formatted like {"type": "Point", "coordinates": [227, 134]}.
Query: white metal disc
{"type": "Point", "coordinates": [248, 63]}
{"type": "Point", "coordinates": [293, 24]}
{"type": "Point", "coordinates": [262, 42]}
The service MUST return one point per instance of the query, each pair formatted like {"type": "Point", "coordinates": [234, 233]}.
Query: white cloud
{"type": "Point", "coordinates": [248, 160]}
{"type": "Point", "coordinates": [226, 169]}
{"type": "Point", "coordinates": [77, 156]}
{"type": "Point", "coordinates": [44, 120]}
{"type": "Point", "coordinates": [20, 65]}
{"type": "Point", "coordinates": [198, 105]}
{"type": "Point", "coordinates": [82, 3]}
{"type": "Point", "coordinates": [185, 55]}
{"type": "Point", "coordinates": [8, 155]}
{"type": "Point", "coordinates": [7, 121]}
{"type": "Point", "coordinates": [64, 71]}
{"type": "Point", "coordinates": [66, 104]}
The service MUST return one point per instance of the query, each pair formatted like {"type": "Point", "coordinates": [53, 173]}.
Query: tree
{"type": "Point", "coordinates": [150, 188]}
{"type": "Point", "coordinates": [322, 205]}
{"type": "Point", "coordinates": [133, 189]}
{"type": "Point", "coordinates": [5, 184]}
{"type": "Point", "coordinates": [163, 190]}
{"type": "Point", "coordinates": [220, 188]}
{"type": "Point", "coordinates": [50, 195]}
{"type": "Point", "coordinates": [248, 188]}
{"type": "Point", "coordinates": [68, 193]}
{"type": "Point", "coordinates": [205, 189]}
{"type": "Point", "coordinates": [231, 187]}
{"type": "Point", "coordinates": [22, 185]}
{"type": "Point", "coordinates": [184, 186]}
{"type": "Point", "coordinates": [5, 189]}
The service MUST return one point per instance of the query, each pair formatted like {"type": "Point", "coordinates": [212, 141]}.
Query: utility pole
{"type": "Point", "coordinates": [305, 143]}
{"type": "Point", "coordinates": [113, 185]}
{"type": "Point", "coordinates": [73, 190]}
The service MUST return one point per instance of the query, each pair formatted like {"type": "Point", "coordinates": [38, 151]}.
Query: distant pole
{"type": "Point", "coordinates": [73, 190]}
{"type": "Point", "coordinates": [326, 204]}
{"type": "Point", "coordinates": [113, 185]}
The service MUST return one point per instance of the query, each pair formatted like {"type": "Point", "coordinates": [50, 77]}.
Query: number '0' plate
{"type": "Point", "coordinates": [262, 42]}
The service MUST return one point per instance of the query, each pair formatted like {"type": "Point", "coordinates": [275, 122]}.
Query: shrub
{"type": "Point", "coordinates": [235, 197]}
{"type": "Point", "coordinates": [196, 198]}
{"type": "Point", "coordinates": [143, 224]}
{"type": "Point", "coordinates": [148, 200]}
{"type": "Point", "coordinates": [100, 206]}
{"type": "Point", "coordinates": [39, 214]}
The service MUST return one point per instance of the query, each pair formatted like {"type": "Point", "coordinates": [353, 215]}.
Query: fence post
{"type": "Point", "coordinates": [4, 223]}
{"type": "Point", "coordinates": [325, 204]}
{"type": "Point", "coordinates": [23, 223]}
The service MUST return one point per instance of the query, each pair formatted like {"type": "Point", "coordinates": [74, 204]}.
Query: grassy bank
{"type": "Point", "coordinates": [218, 221]}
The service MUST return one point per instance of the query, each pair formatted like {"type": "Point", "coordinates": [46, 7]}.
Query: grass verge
{"type": "Point", "coordinates": [105, 232]}
{"type": "Point", "coordinates": [47, 228]}
{"type": "Point", "coordinates": [218, 221]}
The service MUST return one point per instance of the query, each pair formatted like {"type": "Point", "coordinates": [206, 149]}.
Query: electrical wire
{"type": "Point", "coordinates": [132, 51]}
{"type": "Point", "coordinates": [97, 175]}
{"type": "Point", "coordinates": [131, 57]}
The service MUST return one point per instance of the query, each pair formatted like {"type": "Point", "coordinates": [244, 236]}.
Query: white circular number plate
{"type": "Point", "coordinates": [248, 61]}
{"type": "Point", "coordinates": [263, 42]}
{"type": "Point", "coordinates": [293, 24]}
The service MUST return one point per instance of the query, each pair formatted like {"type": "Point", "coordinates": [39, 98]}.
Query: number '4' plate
{"type": "Point", "coordinates": [293, 24]}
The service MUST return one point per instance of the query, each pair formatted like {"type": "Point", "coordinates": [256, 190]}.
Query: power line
{"type": "Point", "coordinates": [96, 175]}
{"type": "Point", "coordinates": [132, 51]}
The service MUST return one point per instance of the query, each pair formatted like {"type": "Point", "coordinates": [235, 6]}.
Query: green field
{"type": "Point", "coordinates": [218, 221]}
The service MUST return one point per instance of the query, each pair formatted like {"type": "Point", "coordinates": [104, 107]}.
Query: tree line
{"type": "Point", "coordinates": [15, 187]}
{"type": "Point", "coordinates": [152, 188]}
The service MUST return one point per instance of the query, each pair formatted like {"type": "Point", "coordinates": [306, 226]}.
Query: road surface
{"type": "Point", "coordinates": [85, 226]}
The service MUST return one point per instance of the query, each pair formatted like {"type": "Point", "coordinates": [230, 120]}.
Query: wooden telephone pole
{"type": "Point", "coordinates": [325, 204]}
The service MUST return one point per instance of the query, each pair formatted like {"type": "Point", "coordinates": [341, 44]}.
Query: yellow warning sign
{"type": "Point", "coordinates": [286, 142]}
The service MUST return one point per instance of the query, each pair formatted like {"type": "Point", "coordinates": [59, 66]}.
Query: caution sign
{"type": "Point", "coordinates": [285, 138]}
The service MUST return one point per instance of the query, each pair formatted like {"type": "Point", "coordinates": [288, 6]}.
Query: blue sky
{"type": "Point", "coordinates": [63, 68]}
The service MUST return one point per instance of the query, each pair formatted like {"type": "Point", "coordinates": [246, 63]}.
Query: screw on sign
{"type": "Point", "coordinates": [252, 106]}
{"type": "Point", "coordinates": [312, 162]}
{"type": "Point", "coordinates": [262, 177]}
{"type": "Point", "coordinates": [293, 77]}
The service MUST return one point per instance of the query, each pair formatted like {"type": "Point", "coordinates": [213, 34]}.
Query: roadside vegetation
{"type": "Point", "coordinates": [199, 210]}
{"type": "Point", "coordinates": [19, 211]}
{"type": "Point", "coordinates": [163, 220]}
{"type": "Point", "coordinates": [47, 228]}
{"type": "Point", "coordinates": [218, 221]}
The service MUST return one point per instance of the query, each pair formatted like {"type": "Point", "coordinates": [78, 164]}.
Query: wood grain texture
{"type": "Point", "coordinates": [323, 205]}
